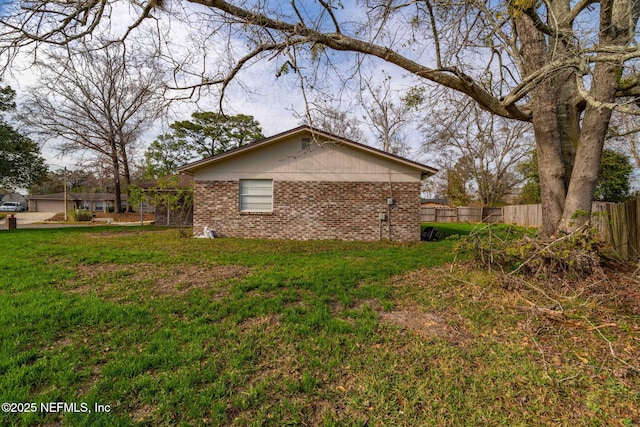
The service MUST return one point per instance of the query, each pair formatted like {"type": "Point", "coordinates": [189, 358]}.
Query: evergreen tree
{"type": "Point", "coordinates": [613, 177]}
{"type": "Point", "coordinates": [205, 135]}
{"type": "Point", "coordinates": [21, 162]}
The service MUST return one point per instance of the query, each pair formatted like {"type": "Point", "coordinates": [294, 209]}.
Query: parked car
{"type": "Point", "coordinates": [11, 207]}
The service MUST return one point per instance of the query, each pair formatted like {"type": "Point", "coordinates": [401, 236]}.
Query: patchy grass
{"type": "Point", "coordinates": [171, 331]}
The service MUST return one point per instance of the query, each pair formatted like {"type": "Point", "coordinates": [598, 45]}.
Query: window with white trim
{"type": "Point", "coordinates": [256, 195]}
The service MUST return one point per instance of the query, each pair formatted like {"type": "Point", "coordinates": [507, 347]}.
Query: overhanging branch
{"type": "Point", "coordinates": [454, 80]}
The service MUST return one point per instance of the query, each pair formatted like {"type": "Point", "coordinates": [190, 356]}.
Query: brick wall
{"type": "Point", "coordinates": [312, 210]}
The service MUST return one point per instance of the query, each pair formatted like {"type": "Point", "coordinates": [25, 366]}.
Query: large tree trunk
{"type": "Point", "coordinates": [583, 181]}
{"type": "Point", "coordinates": [569, 111]}
{"type": "Point", "coordinates": [568, 101]}
{"type": "Point", "coordinates": [617, 24]}
{"type": "Point", "coordinates": [569, 149]}
{"type": "Point", "coordinates": [545, 127]}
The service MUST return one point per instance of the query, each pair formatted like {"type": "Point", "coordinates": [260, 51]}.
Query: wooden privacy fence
{"type": "Point", "coordinates": [460, 214]}
{"type": "Point", "coordinates": [618, 224]}
{"type": "Point", "coordinates": [525, 215]}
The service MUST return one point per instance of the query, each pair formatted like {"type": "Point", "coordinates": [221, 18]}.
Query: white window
{"type": "Point", "coordinates": [256, 195]}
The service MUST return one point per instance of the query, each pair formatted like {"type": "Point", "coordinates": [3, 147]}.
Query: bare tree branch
{"type": "Point", "coordinates": [95, 101]}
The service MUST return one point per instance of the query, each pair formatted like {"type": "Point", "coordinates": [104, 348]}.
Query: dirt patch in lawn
{"type": "Point", "coordinates": [420, 320]}
{"type": "Point", "coordinates": [164, 279]}
{"type": "Point", "coordinates": [142, 413]}
{"type": "Point", "coordinates": [426, 325]}
{"type": "Point", "coordinates": [187, 277]}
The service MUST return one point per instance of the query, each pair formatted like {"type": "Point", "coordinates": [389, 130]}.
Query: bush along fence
{"type": "Point", "coordinates": [617, 223]}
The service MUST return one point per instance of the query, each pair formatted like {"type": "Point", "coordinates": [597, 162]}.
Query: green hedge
{"type": "Point", "coordinates": [80, 215]}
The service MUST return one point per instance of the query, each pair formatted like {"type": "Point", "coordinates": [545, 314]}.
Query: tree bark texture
{"type": "Point", "coordinates": [545, 126]}
{"type": "Point", "coordinates": [617, 26]}
{"type": "Point", "coordinates": [117, 186]}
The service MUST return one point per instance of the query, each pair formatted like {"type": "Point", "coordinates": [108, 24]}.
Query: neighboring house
{"type": "Point", "coordinates": [162, 214]}
{"type": "Point", "coordinates": [308, 184]}
{"type": "Point", "coordinates": [96, 202]}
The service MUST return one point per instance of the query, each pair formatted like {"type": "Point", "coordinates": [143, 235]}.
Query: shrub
{"type": "Point", "coordinates": [80, 215]}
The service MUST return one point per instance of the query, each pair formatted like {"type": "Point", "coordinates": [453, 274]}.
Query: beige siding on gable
{"type": "Point", "coordinates": [321, 161]}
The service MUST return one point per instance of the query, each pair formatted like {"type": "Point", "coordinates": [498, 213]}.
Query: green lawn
{"type": "Point", "coordinates": [162, 330]}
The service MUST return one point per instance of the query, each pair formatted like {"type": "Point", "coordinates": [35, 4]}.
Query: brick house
{"type": "Point", "coordinates": [308, 184]}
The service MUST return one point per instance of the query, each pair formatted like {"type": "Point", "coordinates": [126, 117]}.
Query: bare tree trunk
{"type": "Point", "coordinates": [545, 126]}
{"type": "Point", "coordinates": [98, 102]}
{"type": "Point", "coordinates": [126, 171]}
{"type": "Point", "coordinates": [569, 104]}
{"type": "Point", "coordinates": [117, 187]}
{"type": "Point", "coordinates": [617, 24]}
{"type": "Point", "coordinates": [594, 129]}
{"type": "Point", "coordinates": [568, 118]}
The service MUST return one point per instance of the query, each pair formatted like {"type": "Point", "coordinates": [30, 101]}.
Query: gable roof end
{"type": "Point", "coordinates": [190, 168]}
